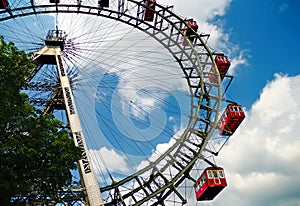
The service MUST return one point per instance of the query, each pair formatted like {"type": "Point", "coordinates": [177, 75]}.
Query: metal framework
{"type": "Point", "coordinates": [153, 184]}
{"type": "Point", "coordinates": [52, 53]}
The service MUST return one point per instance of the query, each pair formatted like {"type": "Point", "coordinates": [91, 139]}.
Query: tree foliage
{"type": "Point", "coordinates": [35, 155]}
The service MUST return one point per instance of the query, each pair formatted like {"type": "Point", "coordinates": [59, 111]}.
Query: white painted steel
{"type": "Point", "coordinates": [94, 197]}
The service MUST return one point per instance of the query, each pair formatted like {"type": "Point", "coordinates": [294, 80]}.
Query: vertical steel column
{"type": "Point", "coordinates": [94, 197]}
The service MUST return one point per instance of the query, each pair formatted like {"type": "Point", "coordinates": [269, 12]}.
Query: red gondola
{"type": "Point", "coordinates": [54, 1]}
{"type": "Point", "coordinates": [231, 119]}
{"type": "Point", "coordinates": [149, 12]}
{"type": "Point", "coordinates": [189, 31]}
{"type": "Point", "coordinates": [211, 182]}
{"type": "Point", "coordinates": [104, 3]}
{"type": "Point", "coordinates": [223, 65]}
{"type": "Point", "coordinates": [3, 4]}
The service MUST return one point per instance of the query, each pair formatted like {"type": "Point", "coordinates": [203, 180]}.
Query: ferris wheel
{"type": "Point", "coordinates": [140, 89]}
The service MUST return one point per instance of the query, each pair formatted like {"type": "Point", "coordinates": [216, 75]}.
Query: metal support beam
{"type": "Point", "coordinates": [53, 55]}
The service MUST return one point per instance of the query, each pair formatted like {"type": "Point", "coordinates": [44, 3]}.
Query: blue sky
{"type": "Point", "coordinates": [268, 31]}
{"type": "Point", "coordinates": [260, 37]}
{"type": "Point", "coordinates": [265, 31]}
{"type": "Point", "coordinates": [261, 159]}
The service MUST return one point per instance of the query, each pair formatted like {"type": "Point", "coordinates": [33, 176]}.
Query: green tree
{"type": "Point", "coordinates": [36, 156]}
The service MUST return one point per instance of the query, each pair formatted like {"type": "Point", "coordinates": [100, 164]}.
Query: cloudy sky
{"type": "Point", "coordinates": [260, 36]}
{"type": "Point", "coordinates": [261, 159]}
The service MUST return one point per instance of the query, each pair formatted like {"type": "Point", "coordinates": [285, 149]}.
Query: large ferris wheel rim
{"type": "Point", "coordinates": [33, 7]}
{"type": "Point", "coordinates": [59, 8]}
{"type": "Point", "coordinates": [120, 14]}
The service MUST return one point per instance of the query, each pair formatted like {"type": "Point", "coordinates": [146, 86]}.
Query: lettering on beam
{"type": "Point", "coordinates": [61, 67]}
{"type": "Point", "coordinates": [85, 161]}
{"type": "Point", "coordinates": [69, 100]}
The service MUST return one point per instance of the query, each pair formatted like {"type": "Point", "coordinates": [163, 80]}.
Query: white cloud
{"type": "Point", "coordinates": [114, 162]}
{"type": "Point", "coordinates": [142, 106]}
{"type": "Point", "coordinates": [237, 61]}
{"type": "Point", "coordinates": [203, 10]}
{"type": "Point", "coordinates": [262, 159]}
{"type": "Point", "coordinates": [160, 149]}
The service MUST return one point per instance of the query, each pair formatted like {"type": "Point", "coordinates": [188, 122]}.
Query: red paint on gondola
{"type": "Point", "coordinates": [190, 31]}
{"type": "Point", "coordinates": [223, 64]}
{"type": "Point", "coordinates": [211, 182]}
{"type": "Point", "coordinates": [231, 119]}
{"type": "Point", "coordinates": [149, 10]}
{"type": "Point", "coordinates": [3, 4]}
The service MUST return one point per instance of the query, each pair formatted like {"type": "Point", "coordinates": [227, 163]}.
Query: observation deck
{"type": "Point", "coordinates": [56, 38]}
